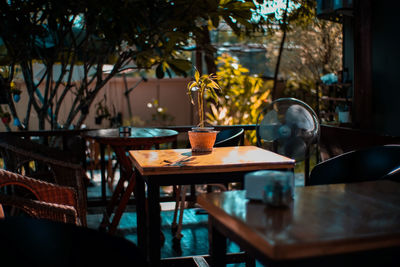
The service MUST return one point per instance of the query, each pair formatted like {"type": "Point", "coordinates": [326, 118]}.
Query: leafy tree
{"type": "Point", "coordinates": [311, 52]}
{"type": "Point", "coordinates": [66, 35]}
{"type": "Point", "coordinates": [241, 98]}
{"type": "Point", "coordinates": [292, 13]}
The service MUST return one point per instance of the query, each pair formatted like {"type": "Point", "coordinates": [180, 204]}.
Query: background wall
{"type": "Point", "coordinates": [385, 67]}
{"type": "Point", "coordinates": [384, 108]}
{"type": "Point", "coordinates": [170, 93]}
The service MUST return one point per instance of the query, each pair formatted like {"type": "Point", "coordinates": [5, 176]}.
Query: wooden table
{"type": "Point", "coordinates": [326, 225]}
{"type": "Point", "coordinates": [136, 138]}
{"type": "Point", "coordinates": [157, 168]}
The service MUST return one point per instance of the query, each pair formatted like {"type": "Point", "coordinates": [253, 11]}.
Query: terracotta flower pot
{"type": "Point", "coordinates": [202, 139]}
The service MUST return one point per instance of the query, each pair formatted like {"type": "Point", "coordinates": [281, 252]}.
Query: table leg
{"type": "Point", "coordinates": [217, 244]}
{"type": "Point", "coordinates": [141, 218]}
{"type": "Point", "coordinates": [103, 173]}
{"type": "Point", "coordinates": [122, 204]}
{"type": "Point", "coordinates": [153, 193]}
{"type": "Point", "coordinates": [111, 205]}
{"type": "Point", "coordinates": [120, 196]}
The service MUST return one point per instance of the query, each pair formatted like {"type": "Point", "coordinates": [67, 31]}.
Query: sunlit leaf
{"type": "Point", "coordinates": [197, 75]}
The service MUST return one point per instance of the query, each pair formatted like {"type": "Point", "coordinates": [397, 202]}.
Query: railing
{"type": "Point", "coordinates": [333, 139]}
{"type": "Point", "coordinates": [66, 138]}
{"type": "Point", "coordinates": [246, 127]}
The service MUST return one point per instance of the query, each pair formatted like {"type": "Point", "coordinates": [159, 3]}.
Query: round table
{"type": "Point", "coordinates": [27, 241]}
{"type": "Point", "coordinates": [132, 136]}
{"type": "Point", "coordinates": [123, 139]}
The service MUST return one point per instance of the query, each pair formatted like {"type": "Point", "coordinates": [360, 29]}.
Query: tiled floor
{"type": "Point", "coordinates": [194, 229]}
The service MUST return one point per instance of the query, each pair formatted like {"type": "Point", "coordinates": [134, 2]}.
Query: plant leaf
{"type": "Point", "coordinates": [197, 75]}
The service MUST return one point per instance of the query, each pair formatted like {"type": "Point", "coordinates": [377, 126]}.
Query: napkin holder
{"type": "Point", "coordinates": [256, 182]}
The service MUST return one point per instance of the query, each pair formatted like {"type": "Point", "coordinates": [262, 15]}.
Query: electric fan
{"type": "Point", "coordinates": [290, 126]}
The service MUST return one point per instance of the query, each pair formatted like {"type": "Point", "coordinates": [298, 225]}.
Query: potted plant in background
{"type": "Point", "coordinates": [202, 138]}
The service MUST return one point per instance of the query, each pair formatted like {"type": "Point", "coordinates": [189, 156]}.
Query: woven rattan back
{"type": "Point", "coordinates": [49, 164]}
{"type": "Point", "coordinates": [53, 202]}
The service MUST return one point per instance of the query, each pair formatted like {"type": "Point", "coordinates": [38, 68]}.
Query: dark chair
{"type": "Point", "coordinates": [393, 175]}
{"type": "Point", "coordinates": [36, 242]}
{"type": "Point", "coordinates": [336, 140]}
{"type": "Point", "coordinates": [368, 164]}
{"type": "Point", "coordinates": [229, 137]}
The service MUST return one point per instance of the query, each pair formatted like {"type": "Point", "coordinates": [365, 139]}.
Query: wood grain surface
{"type": "Point", "coordinates": [221, 159]}
{"type": "Point", "coordinates": [322, 220]}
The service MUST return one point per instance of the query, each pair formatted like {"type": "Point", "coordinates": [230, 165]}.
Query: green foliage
{"type": "Point", "coordinates": [89, 34]}
{"type": "Point", "coordinates": [299, 13]}
{"type": "Point", "coordinates": [311, 52]}
{"type": "Point", "coordinates": [304, 14]}
{"type": "Point", "coordinates": [243, 96]}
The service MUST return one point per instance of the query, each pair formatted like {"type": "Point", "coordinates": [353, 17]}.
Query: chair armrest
{"type": "Point", "coordinates": [57, 164]}
{"type": "Point", "coordinates": [42, 210]}
{"type": "Point", "coordinates": [43, 191]}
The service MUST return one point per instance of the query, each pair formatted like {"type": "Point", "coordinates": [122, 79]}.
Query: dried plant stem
{"type": "Point", "coordinates": [201, 108]}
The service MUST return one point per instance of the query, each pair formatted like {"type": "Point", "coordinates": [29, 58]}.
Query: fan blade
{"type": "Point", "coordinates": [300, 117]}
{"type": "Point", "coordinates": [295, 148]}
{"type": "Point", "coordinates": [269, 126]}
{"type": "Point", "coordinates": [284, 131]}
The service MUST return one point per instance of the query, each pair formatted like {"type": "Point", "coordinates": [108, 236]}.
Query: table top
{"type": "Point", "coordinates": [135, 136]}
{"type": "Point", "coordinates": [322, 220]}
{"type": "Point", "coordinates": [221, 159]}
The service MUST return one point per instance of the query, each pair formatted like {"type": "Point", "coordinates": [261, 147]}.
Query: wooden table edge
{"type": "Point", "coordinates": [292, 252]}
{"type": "Point", "coordinates": [235, 225]}
{"type": "Point", "coordinates": [148, 171]}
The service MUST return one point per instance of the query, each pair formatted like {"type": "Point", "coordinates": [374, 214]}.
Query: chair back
{"type": "Point", "coordinates": [37, 198]}
{"type": "Point", "coordinates": [336, 140]}
{"type": "Point", "coordinates": [36, 242]}
{"type": "Point", "coordinates": [229, 137]}
{"type": "Point", "coordinates": [1, 212]}
{"type": "Point", "coordinates": [45, 163]}
{"type": "Point", "coordinates": [368, 164]}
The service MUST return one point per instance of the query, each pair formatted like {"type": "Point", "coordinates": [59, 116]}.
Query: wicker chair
{"type": "Point", "coordinates": [48, 164]}
{"type": "Point", "coordinates": [50, 201]}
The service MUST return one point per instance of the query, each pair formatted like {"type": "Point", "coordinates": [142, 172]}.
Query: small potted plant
{"type": "Point", "coordinates": [202, 138]}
